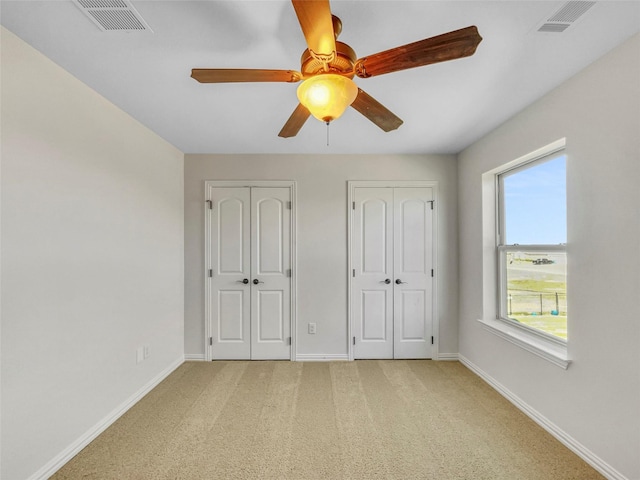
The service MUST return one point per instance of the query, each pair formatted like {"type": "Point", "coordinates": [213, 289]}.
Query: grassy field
{"type": "Point", "coordinates": [553, 324]}
{"type": "Point", "coordinates": [530, 284]}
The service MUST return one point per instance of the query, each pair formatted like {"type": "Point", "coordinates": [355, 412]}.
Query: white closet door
{"type": "Point", "coordinates": [230, 254]}
{"type": "Point", "coordinates": [270, 267]}
{"type": "Point", "coordinates": [413, 283]}
{"type": "Point", "coordinates": [372, 260]}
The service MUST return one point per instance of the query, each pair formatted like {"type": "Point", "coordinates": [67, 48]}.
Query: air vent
{"type": "Point", "coordinates": [553, 27]}
{"type": "Point", "coordinates": [565, 17]}
{"type": "Point", "coordinates": [113, 15]}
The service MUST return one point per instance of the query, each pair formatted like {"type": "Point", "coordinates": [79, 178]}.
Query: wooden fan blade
{"type": "Point", "coordinates": [226, 75]}
{"type": "Point", "coordinates": [375, 111]}
{"type": "Point", "coordinates": [317, 25]}
{"type": "Point", "coordinates": [449, 46]}
{"type": "Point", "coordinates": [295, 122]}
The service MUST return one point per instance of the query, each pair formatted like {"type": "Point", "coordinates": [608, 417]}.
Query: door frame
{"type": "Point", "coordinates": [351, 186]}
{"type": "Point", "coordinates": [291, 185]}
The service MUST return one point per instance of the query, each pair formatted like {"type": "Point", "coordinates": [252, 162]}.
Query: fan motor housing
{"type": "Point", "coordinates": [342, 64]}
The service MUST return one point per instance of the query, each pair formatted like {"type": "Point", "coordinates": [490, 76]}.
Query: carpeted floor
{"type": "Point", "coordinates": [341, 420]}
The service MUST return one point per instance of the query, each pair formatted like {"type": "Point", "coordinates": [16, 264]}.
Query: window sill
{"type": "Point", "coordinates": [547, 349]}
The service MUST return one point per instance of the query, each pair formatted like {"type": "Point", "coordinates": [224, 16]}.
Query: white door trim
{"type": "Point", "coordinates": [291, 185]}
{"type": "Point", "coordinates": [351, 186]}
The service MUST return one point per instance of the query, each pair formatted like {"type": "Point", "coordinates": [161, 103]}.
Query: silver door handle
{"type": "Point", "coordinates": [398, 282]}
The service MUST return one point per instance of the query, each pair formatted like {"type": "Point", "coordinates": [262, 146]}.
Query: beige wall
{"type": "Point", "coordinates": [322, 235]}
{"type": "Point", "coordinates": [92, 259]}
{"type": "Point", "coordinates": [596, 402]}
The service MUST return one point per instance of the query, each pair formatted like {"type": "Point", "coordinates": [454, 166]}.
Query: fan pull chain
{"type": "Point", "coordinates": [327, 134]}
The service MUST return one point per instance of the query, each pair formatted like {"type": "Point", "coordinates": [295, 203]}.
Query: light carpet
{"type": "Point", "coordinates": [386, 419]}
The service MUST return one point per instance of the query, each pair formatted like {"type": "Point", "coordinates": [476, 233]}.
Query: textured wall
{"type": "Point", "coordinates": [322, 235]}
{"type": "Point", "coordinates": [92, 258]}
{"type": "Point", "coordinates": [597, 400]}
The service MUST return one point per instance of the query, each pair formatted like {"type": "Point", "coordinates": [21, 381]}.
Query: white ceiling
{"type": "Point", "coordinates": [445, 107]}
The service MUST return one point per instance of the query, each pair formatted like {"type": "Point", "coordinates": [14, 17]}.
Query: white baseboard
{"type": "Point", "coordinates": [572, 444]}
{"type": "Point", "coordinates": [301, 357]}
{"type": "Point", "coordinates": [68, 453]}
{"type": "Point", "coordinates": [313, 357]}
{"type": "Point", "coordinates": [447, 356]}
{"type": "Point", "coordinates": [194, 357]}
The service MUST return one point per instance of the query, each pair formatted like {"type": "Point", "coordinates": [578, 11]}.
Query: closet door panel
{"type": "Point", "coordinates": [230, 298]}
{"type": "Point", "coordinates": [413, 263]}
{"type": "Point", "coordinates": [372, 259]}
{"type": "Point", "coordinates": [270, 267]}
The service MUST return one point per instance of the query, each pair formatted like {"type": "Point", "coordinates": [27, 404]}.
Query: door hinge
{"type": "Point", "coordinates": [288, 340]}
{"type": "Point", "coordinates": [353, 205]}
{"type": "Point", "coordinates": [354, 272]}
{"type": "Point", "coordinates": [431, 340]}
{"type": "Point", "coordinates": [432, 202]}
{"type": "Point", "coordinates": [432, 272]}
{"type": "Point", "coordinates": [354, 340]}
{"type": "Point", "coordinates": [210, 203]}
{"type": "Point", "coordinates": [210, 340]}
{"type": "Point", "coordinates": [211, 272]}
{"type": "Point", "coordinates": [288, 272]}
{"type": "Point", "coordinates": [288, 205]}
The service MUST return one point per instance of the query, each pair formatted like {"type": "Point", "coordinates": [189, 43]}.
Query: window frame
{"type": "Point", "coordinates": [502, 249]}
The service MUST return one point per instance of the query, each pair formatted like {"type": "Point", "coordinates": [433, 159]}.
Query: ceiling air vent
{"type": "Point", "coordinates": [113, 15]}
{"type": "Point", "coordinates": [566, 16]}
{"type": "Point", "coordinates": [553, 27]}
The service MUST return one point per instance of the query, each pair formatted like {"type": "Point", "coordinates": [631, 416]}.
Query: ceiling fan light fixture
{"type": "Point", "coordinates": [327, 95]}
{"type": "Point", "coordinates": [327, 67]}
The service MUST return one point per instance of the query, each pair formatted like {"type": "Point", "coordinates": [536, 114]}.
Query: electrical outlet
{"type": "Point", "coordinates": [312, 328]}
{"type": "Point", "coordinates": [139, 354]}
{"type": "Point", "coordinates": [146, 352]}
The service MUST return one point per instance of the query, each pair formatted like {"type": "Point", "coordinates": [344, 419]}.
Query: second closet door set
{"type": "Point", "coordinates": [392, 275]}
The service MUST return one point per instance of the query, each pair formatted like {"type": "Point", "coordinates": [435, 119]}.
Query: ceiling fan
{"type": "Point", "coordinates": [328, 67]}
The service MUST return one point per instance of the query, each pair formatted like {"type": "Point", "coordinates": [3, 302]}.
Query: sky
{"type": "Point", "coordinates": [536, 204]}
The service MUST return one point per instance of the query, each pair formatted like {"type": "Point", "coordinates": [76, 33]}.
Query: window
{"type": "Point", "coordinates": [531, 246]}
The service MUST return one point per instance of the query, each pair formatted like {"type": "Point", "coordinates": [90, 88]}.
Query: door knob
{"type": "Point", "coordinates": [245, 281]}
{"type": "Point", "coordinates": [386, 280]}
{"type": "Point", "coordinates": [398, 281]}
{"type": "Point", "coordinates": [256, 281]}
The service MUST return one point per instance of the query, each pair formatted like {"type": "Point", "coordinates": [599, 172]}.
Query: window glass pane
{"type": "Point", "coordinates": [537, 290]}
{"type": "Point", "coordinates": [535, 204]}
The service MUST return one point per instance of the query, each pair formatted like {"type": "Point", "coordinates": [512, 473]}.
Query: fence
{"type": "Point", "coordinates": [550, 303]}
